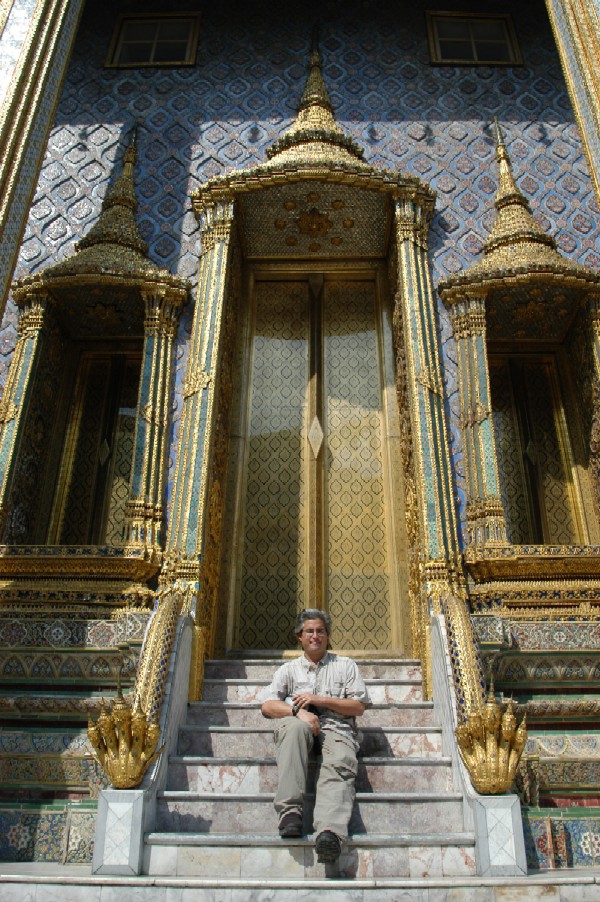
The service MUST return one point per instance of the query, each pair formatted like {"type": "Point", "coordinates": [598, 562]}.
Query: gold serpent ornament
{"type": "Point", "coordinates": [491, 744]}
{"type": "Point", "coordinates": [124, 742]}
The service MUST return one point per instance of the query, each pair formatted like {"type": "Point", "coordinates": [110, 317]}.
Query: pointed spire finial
{"type": "Point", "coordinates": [116, 223]}
{"type": "Point", "coordinates": [315, 92]}
{"type": "Point", "coordinates": [315, 134]}
{"type": "Point", "coordinates": [515, 226]}
{"type": "Point", "coordinates": [507, 187]}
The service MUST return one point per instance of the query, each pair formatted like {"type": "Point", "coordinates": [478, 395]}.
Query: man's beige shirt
{"type": "Point", "coordinates": [334, 675]}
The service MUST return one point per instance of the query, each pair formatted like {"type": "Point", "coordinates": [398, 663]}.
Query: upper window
{"type": "Point", "coordinates": [463, 39]}
{"type": "Point", "coordinates": [140, 40]}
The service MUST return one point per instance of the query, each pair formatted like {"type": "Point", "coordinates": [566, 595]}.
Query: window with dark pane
{"type": "Point", "coordinates": [154, 41]}
{"type": "Point", "coordinates": [462, 39]}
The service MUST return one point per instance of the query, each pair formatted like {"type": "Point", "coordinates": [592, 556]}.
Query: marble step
{"type": "Point", "coordinates": [250, 775]}
{"type": "Point", "coordinates": [252, 741]}
{"type": "Point", "coordinates": [401, 855]}
{"type": "Point", "coordinates": [255, 669]}
{"type": "Point", "coordinates": [419, 812]}
{"type": "Point", "coordinates": [408, 714]}
{"type": "Point", "coordinates": [380, 692]}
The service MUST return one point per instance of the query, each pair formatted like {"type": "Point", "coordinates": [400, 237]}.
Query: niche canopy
{"type": "Point", "coordinates": [315, 197]}
{"type": "Point", "coordinates": [531, 291]}
{"type": "Point", "coordinates": [98, 289]}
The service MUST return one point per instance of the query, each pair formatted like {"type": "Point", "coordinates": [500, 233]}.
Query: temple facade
{"type": "Point", "coordinates": [301, 308]}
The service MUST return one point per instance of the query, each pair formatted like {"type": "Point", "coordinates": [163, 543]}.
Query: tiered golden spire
{"type": "Point", "coordinates": [113, 244]}
{"type": "Point", "coordinates": [314, 134]}
{"type": "Point", "coordinates": [516, 238]}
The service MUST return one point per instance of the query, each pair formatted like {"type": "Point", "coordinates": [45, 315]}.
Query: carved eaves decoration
{"type": "Point", "coordinates": [98, 290]}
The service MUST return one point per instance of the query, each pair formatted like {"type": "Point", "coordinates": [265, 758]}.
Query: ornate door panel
{"type": "Point", "coordinates": [315, 508]}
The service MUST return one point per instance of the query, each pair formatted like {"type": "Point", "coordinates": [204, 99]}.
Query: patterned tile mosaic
{"type": "Point", "coordinates": [536, 635]}
{"type": "Point", "coordinates": [552, 840]}
{"type": "Point", "coordinates": [67, 633]}
{"type": "Point", "coordinates": [63, 833]}
{"type": "Point", "coordinates": [197, 122]}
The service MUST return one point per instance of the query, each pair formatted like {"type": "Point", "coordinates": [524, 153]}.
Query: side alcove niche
{"type": "Point", "coordinates": [525, 322]}
{"type": "Point", "coordinates": [85, 411]}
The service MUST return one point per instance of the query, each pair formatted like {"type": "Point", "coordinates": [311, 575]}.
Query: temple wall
{"type": "Point", "coordinates": [194, 123]}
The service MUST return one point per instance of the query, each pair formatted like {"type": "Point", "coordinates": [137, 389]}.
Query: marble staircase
{"type": "Point", "coordinates": [216, 819]}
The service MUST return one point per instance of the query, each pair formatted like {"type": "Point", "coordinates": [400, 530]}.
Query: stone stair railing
{"type": "Point", "coordinates": [495, 820]}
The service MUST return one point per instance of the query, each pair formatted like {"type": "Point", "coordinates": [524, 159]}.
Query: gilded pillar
{"type": "Point", "coordinates": [594, 307]}
{"type": "Point", "coordinates": [18, 389]}
{"type": "Point", "coordinates": [185, 542]}
{"type": "Point", "coordinates": [433, 476]}
{"type": "Point", "coordinates": [486, 522]}
{"type": "Point", "coordinates": [576, 26]}
{"type": "Point", "coordinates": [29, 92]}
{"type": "Point", "coordinates": [145, 510]}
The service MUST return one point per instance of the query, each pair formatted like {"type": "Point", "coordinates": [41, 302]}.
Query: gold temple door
{"type": "Point", "coordinates": [319, 518]}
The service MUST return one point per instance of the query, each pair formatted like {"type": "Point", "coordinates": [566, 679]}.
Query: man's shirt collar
{"type": "Point", "coordinates": [307, 663]}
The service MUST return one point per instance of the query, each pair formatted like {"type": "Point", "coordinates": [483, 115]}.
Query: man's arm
{"type": "Point", "coordinates": [277, 708]}
{"type": "Point", "coordinates": [347, 707]}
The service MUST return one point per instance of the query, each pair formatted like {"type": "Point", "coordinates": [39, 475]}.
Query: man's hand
{"type": "Point", "coordinates": [311, 719]}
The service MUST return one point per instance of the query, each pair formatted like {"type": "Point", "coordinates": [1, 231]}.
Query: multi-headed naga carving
{"type": "Point", "coordinates": [124, 742]}
{"type": "Point", "coordinates": [491, 744]}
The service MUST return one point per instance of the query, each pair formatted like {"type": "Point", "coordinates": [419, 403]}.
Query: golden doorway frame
{"type": "Point", "coordinates": [318, 274]}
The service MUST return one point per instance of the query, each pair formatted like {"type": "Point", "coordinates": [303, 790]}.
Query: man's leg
{"type": "Point", "coordinates": [335, 787]}
{"type": "Point", "coordinates": [293, 742]}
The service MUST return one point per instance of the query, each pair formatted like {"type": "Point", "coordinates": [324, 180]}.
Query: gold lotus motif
{"type": "Point", "coordinates": [314, 224]}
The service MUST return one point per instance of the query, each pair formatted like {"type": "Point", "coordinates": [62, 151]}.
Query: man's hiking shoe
{"type": "Point", "coordinates": [290, 825]}
{"type": "Point", "coordinates": [328, 847]}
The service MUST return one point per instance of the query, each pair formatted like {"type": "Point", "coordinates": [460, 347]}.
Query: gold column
{"type": "Point", "coordinates": [486, 522]}
{"type": "Point", "coordinates": [27, 114]}
{"type": "Point", "coordinates": [145, 511]}
{"type": "Point", "coordinates": [436, 565]}
{"type": "Point", "coordinates": [187, 531]}
{"type": "Point", "coordinates": [594, 306]}
{"type": "Point", "coordinates": [433, 476]}
{"type": "Point", "coordinates": [576, 26]}
{"type": "Point", "coordinates": [18, 389]}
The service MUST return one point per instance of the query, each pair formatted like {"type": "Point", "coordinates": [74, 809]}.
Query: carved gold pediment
{"type": "Point", "coordinates": [68, 562]}
{"type": "Point", "coordinates": [507, 562]}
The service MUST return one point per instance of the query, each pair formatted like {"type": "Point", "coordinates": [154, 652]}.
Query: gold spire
{"type": "Point", "coordinates": [113, 244]}
{"type": "Point", "coordinates": [116, 223]}
{"type": "Point", "coordinates": [315, 92]}
{"type": "Point", "coordinates": [314, 134]}
{"type": "Point", "coordinates": [516, 238]}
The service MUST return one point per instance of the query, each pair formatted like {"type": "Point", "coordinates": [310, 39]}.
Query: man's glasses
{"type": "Point", "coordinates": [315, 632]}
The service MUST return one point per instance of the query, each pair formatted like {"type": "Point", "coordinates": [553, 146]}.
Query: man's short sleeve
{"type": "Point", "coordinates": [355, 685]}
{"type": "Point", "coordinates": [278, 689]}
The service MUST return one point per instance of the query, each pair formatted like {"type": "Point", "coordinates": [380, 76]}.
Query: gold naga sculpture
{"type": "Point", "coordinates": [491, 744]}
{"type": "Point", "coordinates": [124, 742]}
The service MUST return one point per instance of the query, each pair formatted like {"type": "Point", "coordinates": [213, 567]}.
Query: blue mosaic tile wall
{"type": "Point", "coordinates": [242, 94]}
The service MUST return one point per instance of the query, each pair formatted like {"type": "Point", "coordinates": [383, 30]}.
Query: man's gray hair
{"type": "Point", "coordinates": [312, 614]}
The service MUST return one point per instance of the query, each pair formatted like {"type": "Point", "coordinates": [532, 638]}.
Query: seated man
{"type": "Point", "coordinates": [317, 696]}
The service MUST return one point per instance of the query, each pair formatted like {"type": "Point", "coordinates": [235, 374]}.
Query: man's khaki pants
{"type": "Point", "coordinates": [335, 784]}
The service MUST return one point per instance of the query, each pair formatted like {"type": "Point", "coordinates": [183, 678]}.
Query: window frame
{"type": "Point", "coordinates": [117, 40]}
{"type": "Point", "coordinates": [437, 59]}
